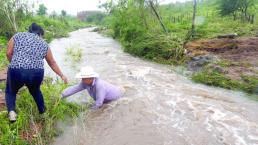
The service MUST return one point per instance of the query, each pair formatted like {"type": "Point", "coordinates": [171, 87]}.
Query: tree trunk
{"type": "Point", "coordinates": [193, 20]}
{"type": "Point", "coordinates": [158, 16]}
{"type": "Point", "coordinates": [235, 16]}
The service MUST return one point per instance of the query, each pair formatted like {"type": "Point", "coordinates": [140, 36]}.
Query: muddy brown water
{"type": "Point", "coordinates": [160, 106]}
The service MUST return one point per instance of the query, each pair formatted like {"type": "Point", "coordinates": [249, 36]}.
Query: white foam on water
{"type": "Point", "coordinates": [218, 121]}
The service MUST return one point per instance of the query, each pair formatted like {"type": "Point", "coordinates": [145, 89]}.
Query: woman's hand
{"type": "Point", "coordinates": [64, 78]}
{"type": "Point", "coordinates": [52, 63]}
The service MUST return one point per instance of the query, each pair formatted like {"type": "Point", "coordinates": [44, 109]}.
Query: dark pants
{"type": "Point", "coordinates": [17, 78]}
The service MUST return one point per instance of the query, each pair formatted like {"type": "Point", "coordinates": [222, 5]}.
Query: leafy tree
{"type": "Point", "coordinates": [96, 17]}
{"type": "Point", "coordinates": [42, 10]}
{"type": "Point", "coordinates": [53, 14]}
{"type": "Point", "coordinates": [63, 13]}
{"type": "Point", "coordinates": [228, 7]}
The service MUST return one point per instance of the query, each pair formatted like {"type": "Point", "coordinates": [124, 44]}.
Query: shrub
{"type": "Point", "coordinates": [157, 47]}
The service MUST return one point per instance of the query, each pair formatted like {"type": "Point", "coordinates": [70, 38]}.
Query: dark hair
{"type": "Point", "coordinates": [36, 29]}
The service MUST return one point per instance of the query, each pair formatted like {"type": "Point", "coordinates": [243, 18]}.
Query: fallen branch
{"type": "Point", "coordinates": [231, 36]}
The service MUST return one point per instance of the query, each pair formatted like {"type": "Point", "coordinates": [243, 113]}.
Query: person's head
{"type": "Point", "coordinates": [36, 29]}
{"type": "Point", "coordinates": [88, 81]}
{"type": "Point", "coordinates": [87, 74]}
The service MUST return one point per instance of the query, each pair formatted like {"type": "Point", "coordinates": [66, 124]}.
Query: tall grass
{"type": "Point", "coordinates": [74, 53]}
{"type": "Point", "coordinates": [160, 47]}
{"type": "Point", "coordinates": [32, 128]}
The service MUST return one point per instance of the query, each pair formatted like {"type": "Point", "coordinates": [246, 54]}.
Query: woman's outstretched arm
{"type": "Point", "coordinates": [52, 63]}
{"type": "Point", "coordinates": [72, 90]}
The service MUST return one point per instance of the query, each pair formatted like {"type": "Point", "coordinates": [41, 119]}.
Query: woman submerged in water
{"type": "Point", "coordinates": [100, 90]}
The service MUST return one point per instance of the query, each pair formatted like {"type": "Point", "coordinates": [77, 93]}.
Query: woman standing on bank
{"type": "Point", "coordinates": [26, 52]}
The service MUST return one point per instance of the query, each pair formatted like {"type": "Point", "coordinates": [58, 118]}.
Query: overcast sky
{"type": "Point", "coordinates": [74, 6]}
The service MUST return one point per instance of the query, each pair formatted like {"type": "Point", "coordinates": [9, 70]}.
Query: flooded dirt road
{"type": "Point", "coordinates": [160, 106]}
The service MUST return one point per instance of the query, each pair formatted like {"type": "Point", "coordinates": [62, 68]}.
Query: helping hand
{"type": "Point", "coordinates": [64, 78]}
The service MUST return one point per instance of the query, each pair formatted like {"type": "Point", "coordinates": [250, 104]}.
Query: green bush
{"type": "Point", "coordinates": [54, 27]}
{"type": "Point", "coordinates": [157, 47]}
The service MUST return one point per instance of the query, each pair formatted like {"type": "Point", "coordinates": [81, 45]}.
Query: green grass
{"type": "Point", "coordinates": [214, 78]}
{"type": "Point", "coordinates": [74, 53]}
{"type": "Point", "coordinates": [248, 84]}
{"type": "Point", "coordinates": [251, 84]}
{"type": "Point", "coordinates": [3, 60]}
{"type": "Point", "coordinates": [57, 110]}
{"type": "Point", "coordinates": [209, 21]}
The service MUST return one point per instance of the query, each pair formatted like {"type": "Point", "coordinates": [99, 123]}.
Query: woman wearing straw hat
{"type": "Point", "coordinates": [100, 90]}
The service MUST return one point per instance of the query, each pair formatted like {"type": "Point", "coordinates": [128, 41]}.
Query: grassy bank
{"type": "Point", "coordinates": [248, 84]}
{"type": "Point", "coordinates": [32, 128]}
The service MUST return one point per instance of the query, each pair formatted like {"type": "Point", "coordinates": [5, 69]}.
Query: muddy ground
{"type": "Point", "coordinates": [239, 55]}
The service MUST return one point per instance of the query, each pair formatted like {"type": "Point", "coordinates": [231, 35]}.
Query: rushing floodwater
{"type": "Point", "coordinates": [160, 106]}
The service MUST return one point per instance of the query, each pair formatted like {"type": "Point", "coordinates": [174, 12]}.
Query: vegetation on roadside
{"type": "Point", "coordinates": [159, 32]}
{"type": "Point", "coordinates": [135, 26]}
{"type": "Point", "coordinates": [32, 128]}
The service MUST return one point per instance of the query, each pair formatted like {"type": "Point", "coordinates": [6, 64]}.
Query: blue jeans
{"type": "Point", "coordinates": [17, 78]}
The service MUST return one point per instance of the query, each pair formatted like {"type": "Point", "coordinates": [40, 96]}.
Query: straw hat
{"type": "Point", "coordinates": [86, 72]}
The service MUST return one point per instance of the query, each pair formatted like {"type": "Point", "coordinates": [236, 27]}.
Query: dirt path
{"type": "Point", "coordinates": [241, 54]}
